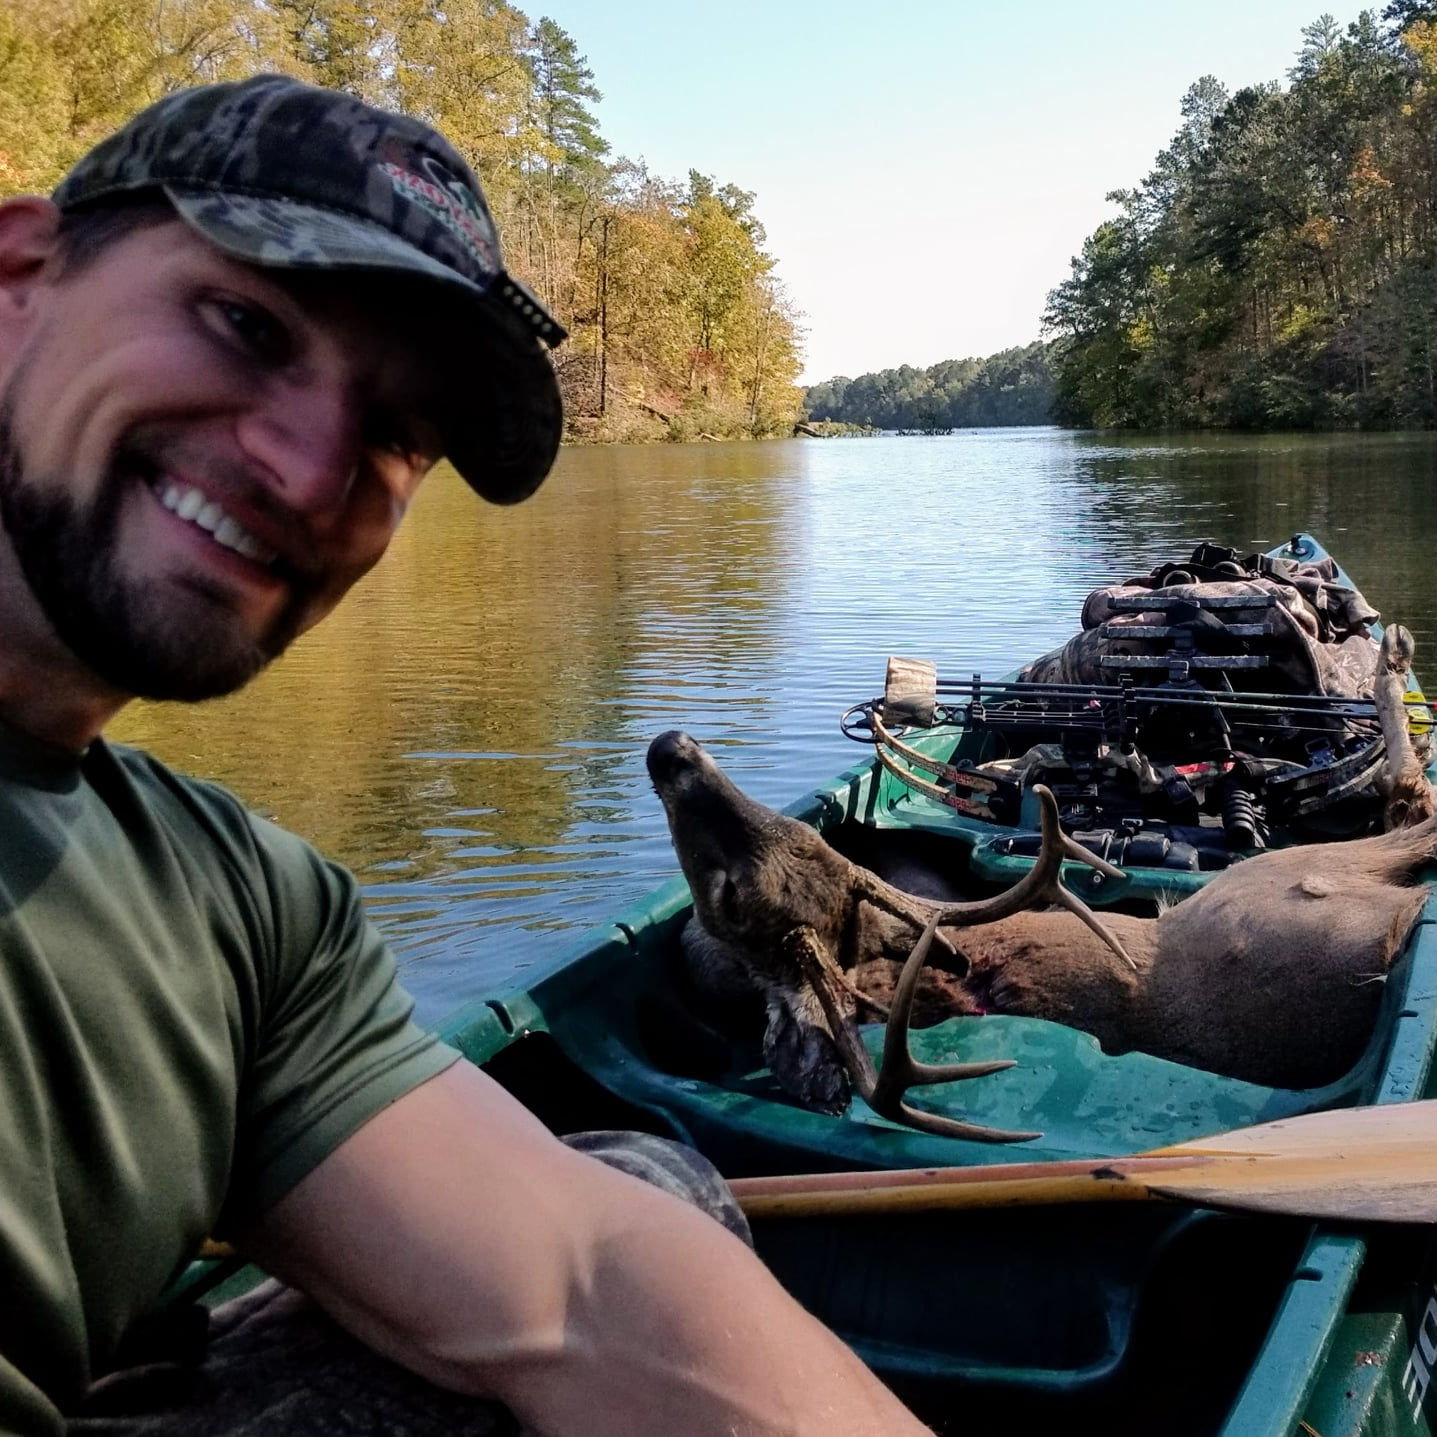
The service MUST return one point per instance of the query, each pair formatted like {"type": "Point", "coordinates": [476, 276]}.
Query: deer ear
{"type": "Point", "coordinates": [805, 1063]}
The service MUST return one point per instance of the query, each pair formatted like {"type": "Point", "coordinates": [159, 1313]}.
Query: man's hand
{"type": "Point", "coordinates": [456, 1235]}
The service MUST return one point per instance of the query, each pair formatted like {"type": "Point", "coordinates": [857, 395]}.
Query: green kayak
{"type": "Point", "coordinates": [1119, 1318]}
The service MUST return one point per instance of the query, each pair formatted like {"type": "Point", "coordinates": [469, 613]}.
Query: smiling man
{"type": "Point", "coordinates": [231, 346]}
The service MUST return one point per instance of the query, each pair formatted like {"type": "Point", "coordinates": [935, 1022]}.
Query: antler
{"type": "Point", "coordinates": [900, 1070]}
{"type": "Point", "coordinates": [1043, 883]}
{"type": "Point", "coordinates": [879, 1089]}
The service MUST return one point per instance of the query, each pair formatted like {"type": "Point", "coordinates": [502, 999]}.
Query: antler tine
{"type": "Point", "coordinates": [1043, 883]}
{"type": "Point", "coordinates": [900, 1070]}
{"type": "Point", "coordinates": [883, 1091]}
{"type": "Point", "coordinates": [1075, 905]}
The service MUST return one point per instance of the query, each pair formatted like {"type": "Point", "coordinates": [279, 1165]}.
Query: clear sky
{"type": "Point", "coordinates": [925, 171]}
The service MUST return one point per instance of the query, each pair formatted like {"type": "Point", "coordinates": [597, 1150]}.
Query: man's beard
{"type": "Point", "coordinates": [141, 639]}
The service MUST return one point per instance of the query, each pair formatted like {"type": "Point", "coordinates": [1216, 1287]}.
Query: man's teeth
{"type": "Point", "coordinates": [192, 506]}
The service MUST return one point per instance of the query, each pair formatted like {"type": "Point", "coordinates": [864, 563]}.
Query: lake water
{"type": "Point", "coordinates": [468, 732]}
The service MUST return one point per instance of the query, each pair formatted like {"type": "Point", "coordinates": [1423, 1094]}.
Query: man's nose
{"type": "Point", "coordinates": [305, 435]}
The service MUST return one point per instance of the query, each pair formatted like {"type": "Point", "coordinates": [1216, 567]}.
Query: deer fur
{"type": "Point", "coordinates": [1272, 972]}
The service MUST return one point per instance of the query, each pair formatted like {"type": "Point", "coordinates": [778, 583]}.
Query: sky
{"type": "Point", "coordinates": [925, 171]}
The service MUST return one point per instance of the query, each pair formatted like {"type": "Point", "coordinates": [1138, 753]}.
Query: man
{"type": "Point", "coordinates": [230, 348]}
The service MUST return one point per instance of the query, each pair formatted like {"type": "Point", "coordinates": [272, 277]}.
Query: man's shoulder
{"type": "Point", "coordinates": [206, 808]}
{"type": "Point", "coordinates": [153, 774]}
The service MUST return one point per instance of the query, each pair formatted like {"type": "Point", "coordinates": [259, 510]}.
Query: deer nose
{"type": "Point", "coordinates": [669, 752]}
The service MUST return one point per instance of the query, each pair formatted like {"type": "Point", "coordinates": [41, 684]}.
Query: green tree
{"type": "Point", "coordinates": [340, 43]}
{"type": "Point", "coordinates": [1251, 278]}
{"type": "Point", "coordinates": [563, 89]}
{"type": "Point", "coordinates": [72, 70]}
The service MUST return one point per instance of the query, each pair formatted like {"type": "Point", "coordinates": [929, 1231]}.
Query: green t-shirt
{"type": "Point", "coordinates": [193, 1013]}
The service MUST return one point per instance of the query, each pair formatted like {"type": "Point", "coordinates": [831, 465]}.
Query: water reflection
{"type": "Point", "coordinates": [468, 732]}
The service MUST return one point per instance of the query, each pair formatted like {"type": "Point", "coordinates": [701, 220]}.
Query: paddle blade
{"type": "Point", "coordinates": [1375, 1164]}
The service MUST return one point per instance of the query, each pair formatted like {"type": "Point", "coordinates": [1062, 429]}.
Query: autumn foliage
{"type": "Point", "coordinates": [1278, 267]}
{"type": "Point", "coordinates": [678, 327]}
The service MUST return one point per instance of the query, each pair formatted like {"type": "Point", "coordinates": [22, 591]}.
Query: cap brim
{"type": "Point", "coordinates": [502, 430]}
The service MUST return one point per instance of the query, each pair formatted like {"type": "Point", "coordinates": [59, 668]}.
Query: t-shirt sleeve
{"type": "Point", "coordinates": [334, 1041]}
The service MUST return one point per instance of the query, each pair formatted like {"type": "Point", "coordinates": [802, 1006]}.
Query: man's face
{"type": "Point", "coordinates": [198, 458]}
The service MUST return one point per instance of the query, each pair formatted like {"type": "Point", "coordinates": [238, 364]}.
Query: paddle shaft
{"type": "Point", "coordinates": [937, 1189]}
{"type": "Point", "coordinates": [1362, 1164]}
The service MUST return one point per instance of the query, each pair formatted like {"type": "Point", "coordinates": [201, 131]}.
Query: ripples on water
{"type": "Point", "coordinates": [468, 732]}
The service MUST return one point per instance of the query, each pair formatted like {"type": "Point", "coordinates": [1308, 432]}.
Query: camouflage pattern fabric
{"type": "Point", "coordinates": [279, 1367]}
{"type": "Point", "coordinates": [1320, 643]}
{"type": "Point", "coordinates": [282, 174]}
{"type": "Point", "coordinates": [679, 1170]}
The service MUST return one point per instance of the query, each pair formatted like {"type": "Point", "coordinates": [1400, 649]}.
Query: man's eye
{"type": "Point", "coordinates": [254, 327]}
{"type": "Point", "coordinates": [384, 432]}
{"type": "Point", "coordinates": [402, 435]}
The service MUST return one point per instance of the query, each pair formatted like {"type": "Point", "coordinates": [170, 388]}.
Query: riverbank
{"type": "Point", "coordinates": [641, 422]}
{"type": "Point", "coordinates": [824, 429]}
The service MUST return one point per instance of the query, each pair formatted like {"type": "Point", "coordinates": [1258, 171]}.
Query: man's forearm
{"type": "Point", "coordinates": [676, 1327]}
{"type": "Point", "coordinates": [587, 1301]}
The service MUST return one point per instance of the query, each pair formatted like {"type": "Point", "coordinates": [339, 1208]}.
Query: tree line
{"type": "Point", "coordinates": [1278, 267]}
{"type": "Point", "coordinates": [1012, 387]}
{"type": "Point", "coordinates": [678, 326]}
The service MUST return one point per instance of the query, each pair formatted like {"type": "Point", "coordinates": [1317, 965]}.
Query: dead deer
{"type": "Point", "coordinates": [779, 911]}
{"type": "Point", "coordinates": [1271, 973]}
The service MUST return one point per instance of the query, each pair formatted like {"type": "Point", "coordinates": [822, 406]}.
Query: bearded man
{"type": "Point", "coordinates": [231, 346]}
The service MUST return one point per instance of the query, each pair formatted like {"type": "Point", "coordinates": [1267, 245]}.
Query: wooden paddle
{"type": "Point", "coordinates": [1376, 1164]}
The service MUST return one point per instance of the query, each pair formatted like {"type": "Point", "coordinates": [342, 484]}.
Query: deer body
{"type": "Point", "coordinates": [1271, 973]}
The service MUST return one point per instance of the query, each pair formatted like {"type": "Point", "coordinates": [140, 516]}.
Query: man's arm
{"type": "Point", "coordinates": [454, 1233]}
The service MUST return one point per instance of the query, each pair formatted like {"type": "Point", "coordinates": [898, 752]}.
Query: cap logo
{"type": "Point", "coordinates": [450, 203]}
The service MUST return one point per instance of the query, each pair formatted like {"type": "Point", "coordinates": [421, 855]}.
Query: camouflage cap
{"type": "Point", "coordinates": [283, 174]}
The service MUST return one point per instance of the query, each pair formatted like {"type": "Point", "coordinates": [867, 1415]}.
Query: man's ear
{"type": "Point", "coordinates": [28, 241]}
